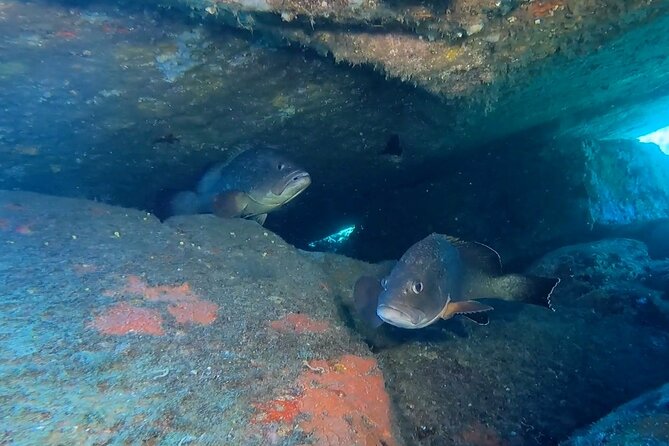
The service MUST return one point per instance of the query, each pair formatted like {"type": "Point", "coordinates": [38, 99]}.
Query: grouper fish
{"type": "Point", "coordinates": [440, 277]}
{"type": "Point", "coordinates": [252, 184]}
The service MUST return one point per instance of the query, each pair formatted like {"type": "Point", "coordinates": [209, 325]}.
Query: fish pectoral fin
{"type": "Point", "coordinates": [478, 256]}
{"type": "Point", "coordinates": [230, 204]}
{"type": "Point", "coordinates": [366, 298]}
{"type": "Point", "coordinates": [260, 218]}
{"type": "Point", "coordinates": [465, 307]}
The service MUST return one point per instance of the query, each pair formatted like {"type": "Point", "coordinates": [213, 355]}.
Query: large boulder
{"type": "Point", "coordinates": [118, 328]}
{"type": "Point", "coordinates": [643, 421]}
{"type": "Point", "coordinates": [610, 277]}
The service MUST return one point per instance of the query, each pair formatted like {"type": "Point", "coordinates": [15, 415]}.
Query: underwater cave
{"type": "Point", "coordinates": [334, 223]}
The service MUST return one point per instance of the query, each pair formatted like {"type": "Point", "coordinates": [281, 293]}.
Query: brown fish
{"type": "Point", "coordinates": [440, 277]}
{"type": "Point", "coordinates": [251, 185]}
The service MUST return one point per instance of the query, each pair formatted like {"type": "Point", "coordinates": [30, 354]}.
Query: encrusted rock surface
{"type": "Point", "coordinates": [610, 276]}
{"type": "Point", "coordinates": [119, 328]}
{"type": "Point", "coordinates": [641, 422]}
{"type": "Point", "coordinates": [505, 65]}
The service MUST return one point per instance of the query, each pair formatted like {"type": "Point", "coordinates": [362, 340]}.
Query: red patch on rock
{"type": "Point", "coordinates": [342, 402]}
{"type": "Point", "coordinates": [160, 293]}
{"type": "Point", "coordinates": [186, 305]}
{"type": "Point", "coordinates": [7, 225]}
{"type": "Point", "coordinates": [23, 230]}
{"type": "Point", "coordinates": [282, 410]}
{"type": "Point", "coordinates": [124, 318]}
{"type": "Point", "coordinates": [200, 312]}
{"type": "Point", "coordinates": [543, 8]}
{"type": "Point", "coordinates": [66, 34]}
{"type": "Point", "coordinates": [299, 323]}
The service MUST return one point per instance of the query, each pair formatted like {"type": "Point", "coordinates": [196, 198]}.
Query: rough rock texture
{"type": "Point", "coordinates": [506, 65]}
{"type": "Point", "coordinates": [119, 328]}
{"type": "Point", "coordinates": [613, 276]}
{"type": "Point", "coordinates": [641, 422]}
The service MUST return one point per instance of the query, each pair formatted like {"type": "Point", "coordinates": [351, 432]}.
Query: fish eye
{"type": "Point", "coordinates": [417, 287]}
{"type": "Point", "coordinates": [281, 166]}
{"type": "Point", "coordinates": [384, 283]}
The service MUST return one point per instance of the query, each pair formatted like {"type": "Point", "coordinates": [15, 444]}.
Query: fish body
{"type": "Point", "coordinates": [251, 185]}
{"type": "Point", "coordinates": [440, 277]}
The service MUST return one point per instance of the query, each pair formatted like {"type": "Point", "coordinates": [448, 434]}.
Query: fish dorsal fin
{"type": "Point", "coordinates": [464, 307]}
{"type": "Point", "coordinates": [478, 256]}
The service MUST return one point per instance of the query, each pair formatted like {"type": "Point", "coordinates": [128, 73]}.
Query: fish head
{"type": "Point", "coordinates": [414, 294]}
{"type": "Point", "coordinates": [272, 178]}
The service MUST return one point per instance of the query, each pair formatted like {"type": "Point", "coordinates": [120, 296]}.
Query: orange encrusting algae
{"type": "Point", "coordinates": [279, 410]}
{"type": "Point", "coordinates": [299, 323]}
{"type": "Point", "coordinates": [543, 8]}
{"type": "Point", "coordinates": [186, 306]}
{"type": "Point", "coordinates": [124, 318]}
{"type": "Point", "coordinates": [23, 229]}
{"type": "Point", "coordinates": [200, 312]}
{"type": "Point", "coordinates": [160, 293]}
{"type": "Point", "coordinates": [345, 404]}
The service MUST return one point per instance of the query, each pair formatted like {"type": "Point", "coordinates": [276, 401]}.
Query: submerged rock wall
{"type": "Point", "coordinates": [643, 421]}
{"type": "Point", "coordinates": [503, 65]}
{"type": "Point", "coordinates": [627, 182]}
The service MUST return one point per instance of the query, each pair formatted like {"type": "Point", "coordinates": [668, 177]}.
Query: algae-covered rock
{"type": "Point", "coordinates": [506, 66]}
{"type": "Point", "coordinates": [643, 421]}
{"type": "Point", "coordinates": [117, 327]}
{"type": "Point", "coordinates": [610, 277]}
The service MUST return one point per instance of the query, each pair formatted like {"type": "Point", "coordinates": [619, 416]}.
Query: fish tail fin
{"type": "Point", "coordinates": [185, 203]}
{"type": "Point", "coordinates": [366, 297]}
{"type": "Point", "coordinates": [528, 289]}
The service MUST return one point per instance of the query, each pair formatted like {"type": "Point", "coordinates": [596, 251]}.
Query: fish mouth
{"type": "Point", "coordinates": [295, 184]}
{"type": "Point", "coordinates": [403, 318]}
